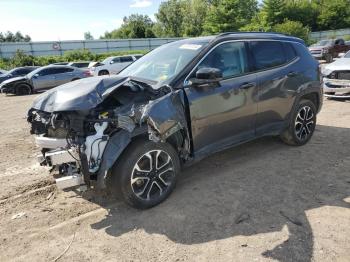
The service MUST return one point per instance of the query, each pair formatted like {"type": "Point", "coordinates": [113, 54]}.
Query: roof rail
{"type": "Point", "coordinates": [247, 32]}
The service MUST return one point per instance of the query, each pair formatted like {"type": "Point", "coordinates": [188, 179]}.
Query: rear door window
{"type": "Point", "coordinates": [289, 51]}
{"type": "Point", "coordinates": [267, 54]}
{"type": "Point", "coordinates": [125, 59]}
{"type": "Point", "coordinates": [47, 71]}
{"type": "Point", "coordinates": [63, 70]}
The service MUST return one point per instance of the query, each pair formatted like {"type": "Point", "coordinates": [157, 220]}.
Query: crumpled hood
{"type": "Point", "coordinates": [14, 79]}
{"type": "Point", "coordinates": [342, 64]}
{"type": "Point", "coordinates": [83, 94]}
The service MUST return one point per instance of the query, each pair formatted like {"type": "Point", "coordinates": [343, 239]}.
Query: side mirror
{"type": "Point", "coordinates": [9, 75]}
{"type": "Point", "coordinates": [36, 75]}
{"type": "Point", "coordinates": [112, 62]}
{"type": "Point", "coordinates": [207, 76]}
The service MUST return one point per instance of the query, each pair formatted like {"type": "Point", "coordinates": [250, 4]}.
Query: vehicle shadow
{"type": "Point", "coordinates": [259, 187]}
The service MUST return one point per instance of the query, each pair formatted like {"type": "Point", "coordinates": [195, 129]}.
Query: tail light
{"type": "Point", "coordinates": [87, 73]}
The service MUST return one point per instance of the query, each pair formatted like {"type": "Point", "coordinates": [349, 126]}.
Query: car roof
{"type": "Point", "coordinates": [246, 35]}
{"type": "Point", "coordinates": [80, 62]}
{"type": "Point", "coordinates": [59, 66]}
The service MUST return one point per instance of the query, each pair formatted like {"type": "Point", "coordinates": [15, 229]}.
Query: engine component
{"type": "Point", "coordinates": [95, 146]}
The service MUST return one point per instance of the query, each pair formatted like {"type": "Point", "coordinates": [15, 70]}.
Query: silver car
{"type": "Point", "coordinates": [43, 78]}
{"type": "Point", "coordinates": [113, 65]}
{"type": "Point", "coordinates": [336, 78]}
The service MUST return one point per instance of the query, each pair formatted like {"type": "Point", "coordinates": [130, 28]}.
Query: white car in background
{"type": "Point", "coordinates": [113, 65]}
{"type": "Point", "coordinates": [2, 72]}
{"type": "Point", "coordinates": [336, 78]}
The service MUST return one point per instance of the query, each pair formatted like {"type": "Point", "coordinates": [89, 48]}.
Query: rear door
{"type": "Point", "coordinates": [63, 75]}
{"type": "Point", "coordinates": [278, 78]}
{"type": "Point", "coordinates": [224, 115]}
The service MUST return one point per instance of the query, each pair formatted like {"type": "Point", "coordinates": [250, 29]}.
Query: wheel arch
{"type": "Point", "coordinates": [23, 84]}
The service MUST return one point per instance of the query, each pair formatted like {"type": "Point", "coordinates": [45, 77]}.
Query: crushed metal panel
{"type": "Point", "coordinates": [115, 146]}
{"type": "Point", "coordinates": [165, 116]}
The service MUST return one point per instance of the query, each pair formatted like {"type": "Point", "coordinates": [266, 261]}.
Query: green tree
{"type": "Point", "coordinates": [303, 11]}
{"type": "Point", "coordinates": [293, 28]}
{"type": "Point", "coordinates": [229, 15]}
{"type": "Point", "coordinates": [170, 18]}
{"type": "Point", "coordinates": [272, 11]}
{"type": "Point", "coordinates": [333, 14]}
{"type": "Point", "coordinates": [134, 26]}
{"type": "Point", "coordinates": [88, 36]}
{"type": "Point", "coordinates": [194, 17]}
{"type": "Point", "coordinates": [14, 37]}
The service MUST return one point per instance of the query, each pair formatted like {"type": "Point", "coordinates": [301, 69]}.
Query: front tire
{"type": "Point", "coordinates": [302, 124]}
{"type": "Point", "coordinates": [145, 175]}
{"type": "Point", "coordinates": [23, 89]}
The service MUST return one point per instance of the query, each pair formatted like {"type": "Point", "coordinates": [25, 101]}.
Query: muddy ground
{"type": "Point", "coordinates": [261, 201]}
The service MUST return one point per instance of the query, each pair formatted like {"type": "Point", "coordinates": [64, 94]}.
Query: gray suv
{"type": "Point", "coordinates": [132, 133]}
{"type": "Point", "coordinates": [42, 79]}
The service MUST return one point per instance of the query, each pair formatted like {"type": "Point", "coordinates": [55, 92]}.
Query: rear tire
{"type": "Point", "coordinates": [23, 89]}
{"type": "Point", "coordinates": [145, 174]}
{"type": "Point", "coordinates": [302, 124]}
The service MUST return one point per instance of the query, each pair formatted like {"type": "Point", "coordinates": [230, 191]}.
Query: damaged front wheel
{"type": "Point", "coordinates": [145, 175]}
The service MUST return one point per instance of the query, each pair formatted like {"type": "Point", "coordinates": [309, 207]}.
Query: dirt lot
{"type": "Point", "coordinates": [261, 201]}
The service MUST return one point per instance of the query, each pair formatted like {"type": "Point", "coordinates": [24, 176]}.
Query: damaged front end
{"type": "Point", "coordinates": [83, 127]}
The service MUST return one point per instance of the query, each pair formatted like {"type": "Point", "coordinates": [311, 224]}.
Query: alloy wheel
{"type": "Point", "coordinates": [152, 175]}
{"type": "Point", "coordinates": [304, 123]}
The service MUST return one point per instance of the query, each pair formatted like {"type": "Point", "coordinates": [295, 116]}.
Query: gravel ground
{"type": "Point", "coordinates": [261, 201]}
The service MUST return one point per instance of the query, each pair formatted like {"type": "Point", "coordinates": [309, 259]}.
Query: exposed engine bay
{"type": "Point", "coordinates": [84, 126]}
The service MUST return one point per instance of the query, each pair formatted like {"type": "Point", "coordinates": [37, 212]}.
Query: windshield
{"type": "Point", "coordinates": [165, 62]}
{"type": "Point", "coordinates": [347, 55]}
{"type": "Point", "coordinates": [107, 60]}
{"type": "Point", "coordinates": [34, 72]}
{"type": "Point", "coordinates": [324, 43]}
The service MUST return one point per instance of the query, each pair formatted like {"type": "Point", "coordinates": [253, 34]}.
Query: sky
{"type": "Point", "coordinates": [53, 20]}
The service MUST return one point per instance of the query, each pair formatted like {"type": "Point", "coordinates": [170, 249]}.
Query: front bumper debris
{"type": "Point", "coordinates": [49, 142]}
{"type": "Point", "coordinates": [336, 88]}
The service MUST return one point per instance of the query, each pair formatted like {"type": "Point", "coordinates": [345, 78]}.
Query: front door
{"type": "Point", "coordinates": [224, 115]}
{"type": "Point", "coordinates": [44, 79]}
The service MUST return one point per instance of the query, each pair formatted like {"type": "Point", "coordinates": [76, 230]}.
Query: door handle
{"type": "Point", "coordinates": [292, 74]}
{"type": "Point", "coordinates": [247, 85]}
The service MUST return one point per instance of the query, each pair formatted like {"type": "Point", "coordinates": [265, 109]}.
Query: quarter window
{"type": "Point", "coordinates": [230, 58]}
{"type": "Point", "coordinates": [267, 54]}
{"type": "Point", "coordinates": [289, 51]}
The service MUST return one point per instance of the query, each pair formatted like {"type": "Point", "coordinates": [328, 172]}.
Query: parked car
{"type": "Point", "coordinates": [43, 78]}
{"type": "Point", "coordinates": [183, 101]}
{"type": "Point", "coordinates": [2, 72]}
{"type": "Point", "coordinates": [336, 78]}
{"type": "Point", "coordinates": [329, 49]}
{"type": "Point", "coordinates": [113, 65]}
{"type": "Point", "coordinates": [16, 72]}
